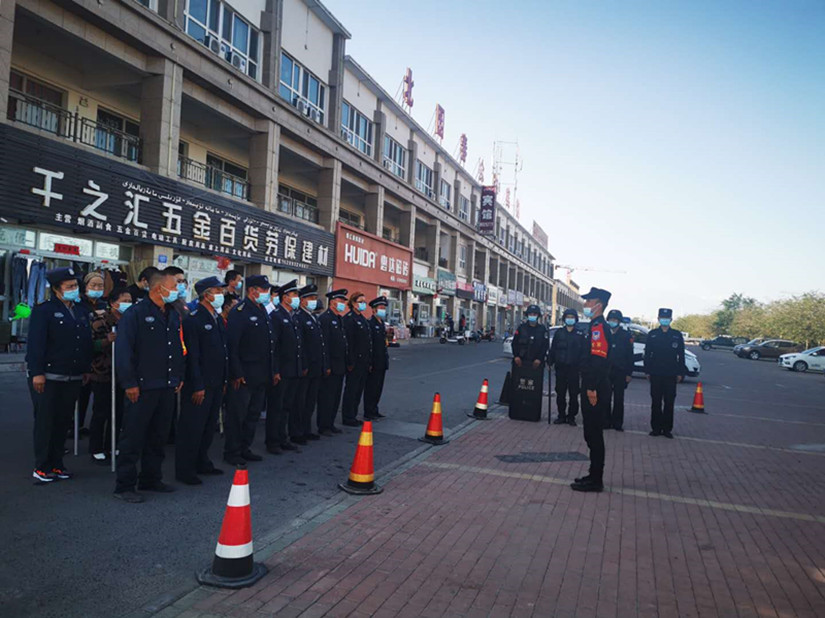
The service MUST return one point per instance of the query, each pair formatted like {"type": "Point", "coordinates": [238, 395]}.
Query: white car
{"type": "Point", "coordinates": [507, 346]}
{"type": "Point", "coordinates": [813, 359]}
{"type": "Point", "coordinates": [639, 333]}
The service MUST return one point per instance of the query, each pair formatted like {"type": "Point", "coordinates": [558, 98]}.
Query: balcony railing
{"type": "Point", "coordinates": [395, 167]}
{"type": "Point", "coordinates": [46, 116]}
{"type": "Point", "coordinates": [352, 223]}
{"type": "Point", "coordinates": [213, 178]}
{"type": "Point", "coordinates": [355, 140]}
{"type": "Point", "coordinates": [296, 208]}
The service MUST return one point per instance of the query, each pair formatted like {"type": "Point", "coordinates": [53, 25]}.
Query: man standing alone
{"type": "Point", "coordinates": [664, 366]}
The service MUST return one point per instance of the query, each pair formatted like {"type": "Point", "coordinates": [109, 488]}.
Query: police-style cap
{"type": "Point", "coordinates": [597, 294]}
{"type": "Point", "coordinates": [664, 312]}
{"type": "Point", "coordinates": [257, 281]}
{"type": "Point", "coordinates": [59, 275]}
{"type": "Point", "coordinates": [290, 286]}
{"type": "Point", "coordinates": [571, 312]}
{"type": "Point", "coordinates": [615, 314]}
{"type": "Point", "coordinates": [210, 282]}
{"type": "Point", "coordinates": [308, 290]}
{"type": "Point", "coordinates": [381, 301]}
{"type": "Point", "coordinates": [342, 293]}
{"type": "Point", "coordinates": [275, 290]}
{"type": "Point", "coordinates": [533, 309]}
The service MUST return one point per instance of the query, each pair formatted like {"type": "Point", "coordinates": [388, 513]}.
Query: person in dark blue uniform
{"type": "Point", "coordinates": [293, 366]}
{"type": "Point", "coordinates": [253, 369]}
{"type": "Point", "coordinates": [359, 357]}
{"type": "Point", "coordinates": [58, 359]}
{"type": "Point", "coordinates": [565, 354]}
{"type": "Point", "coordinates": [150, 368]}
{"type": "Point", "coordinates": [332, 384]}
{"type": "Point", "coordinates": [664, 366]}
{"type": "Point", "coordinates": [207, 363]}
{"type": "Point", "coordinates": [530, 340]}
{"type": "Point", "coordinates": [621, 369]}
{"type": "Point", "coordinates": [317, 360]}
{"type": "Point", "coordinates": [277, 439]}
{"type": "Point", "coordinates": [595, 374]}
{"type": "Point", "coordinates": [374, 385]}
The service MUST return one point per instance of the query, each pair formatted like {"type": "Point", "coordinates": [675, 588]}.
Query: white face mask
{"type": "Point", "coordinates": [312, 305]}
{"type": "Point", "coordinates": [217, 302]}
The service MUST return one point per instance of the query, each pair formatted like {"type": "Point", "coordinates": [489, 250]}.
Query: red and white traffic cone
{"type": "Point", "coordinates": [480, 411]}
{"type": "Point", "coordinates": [435, 428]}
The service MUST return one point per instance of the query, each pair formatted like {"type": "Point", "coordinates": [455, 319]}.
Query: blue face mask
{"type": "Point", "coordinates": [239, 285]}
{"type": "Point", "coordinates": [532, 319]}
{"type": "Point", "coordinates": [72, 295]}
{"type": "Point", "coordinates": [263, 298]}
{"type": "Point", "coordinates": [217, 302]}
{"type": "Point", "coordinates": [276, 300]}
{"type": "Point", "coordinates": [295, 302]}
{"type": "Point", "coordinates": [613, 324]}
{"type": "Point", "coordinates": [588, 312]}
{"type": "Point", "coordinates": [362, 306]}
{"type": "Point", "coordinates": [381, 313]}
{"type": "Point", "coordinates": [341, 307]}
{"type": "Point", "coordinates": [312, 305]}
{"type": "Point", "coordinates": [94, 294]}
{"type": "Point", "coordinates": [181, 289]}
{"type": "Point", "coordinates": [173, 296]}
{"type": "Point", "coordinates": [570, 321]}
{"type": "Point", "coordinates": [664, 321]}
{"type": "Point", "coordinates": [123, 306]}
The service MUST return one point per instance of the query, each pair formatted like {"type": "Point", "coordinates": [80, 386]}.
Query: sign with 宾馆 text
{"type": "Point", "coordinates": [487, 211]}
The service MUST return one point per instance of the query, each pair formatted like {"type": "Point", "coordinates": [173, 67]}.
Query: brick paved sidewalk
{"type": "Point", "coordinates": [686, 527]}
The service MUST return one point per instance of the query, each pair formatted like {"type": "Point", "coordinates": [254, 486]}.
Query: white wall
{"type": "Point", "coordinates": [425, 153]}
{"type": "Point", "coordinates": [250, 10]}
{"type": "Point", "coordinates": [396, 128]}
{"type": "Point", "coordinates": [307, 39]}
{"type": "Point", "coordinates": [357, 95]}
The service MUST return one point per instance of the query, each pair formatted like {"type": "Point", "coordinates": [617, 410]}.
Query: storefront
{"type": "Point", "coordinates": [424, 290]}
{"type": "Point", "coordinates": [493, 294]}
{"type": "Point", "coordinates": [480, 304]}
{"type": "Point", "coordinates": [446, 287]}
{"type": "Point", "coordinates": [464, 300]}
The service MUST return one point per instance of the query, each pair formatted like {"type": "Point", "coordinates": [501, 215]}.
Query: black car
{"type": "Point", "coordinates": [722, 341]}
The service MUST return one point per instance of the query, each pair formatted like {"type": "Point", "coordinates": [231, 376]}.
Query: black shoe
{"type": "Point", "coordinates": [379, 415]}
{"type": "Point", "coordinates": [235, 460]}
{"type": "Point", "coordinates": [351, 423]}
{"type": "Point", "coordinates": [618, 428]}
{"type": "Point", "coordinates": [160, 487]}
{"type": "Point", "coordinates": [590, 485]}
{"type": "Point", "coordinates": [43, 477]}
{"type": "Point", "coordinates": [189, 480]}
{"type": "Point", "coordinates": [250, 456]}
{"type": "Point", "coordinates": [583, 479]}
{"type": "Point", "coordinates": [560, 420]}
{"type": "Point", "coordinates": [667, 434]}
{"type": "Point", "coordinates": [274, 450]}
{"type": "Point", "coordinates": [131, 497]}
{"type": "Point", "coordinates": [299, 440]}
{"type": "Point", "coordinates": [335, 429]}
{"type": "Point", "coordinates": [289, 446]}
{"type": "Point", "coordinates": [213, 471]}
{"type": "Point", "coordinates": [327, 433]}
{"type": "Point", "coordinates": [312, 436]}
{"type": "Point", "coordinates": [571, 421]}
{"type": "Point", "coordinates": [84, 431]}
{"type": "Point", "coordinates": [62, 473]}
{"type": "Point", "coordinates": [370, 418]}
{"type": "Point", "coordinates": [654, 433]}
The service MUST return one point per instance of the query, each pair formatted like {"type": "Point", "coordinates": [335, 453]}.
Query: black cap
{"type": "Point", "coordinates": [342, 293]}
{"type": "Point", "coordinates": [533, 309]}
{"type": "Point", "coordinates": [59, 275]}
{"type": "Point", "coordinates": [598, 294]}
{"type": "Point", "coordinates": [275, 290]}
{"type": "Point", "coordinates": [615, 314]}
{"type": "Point", "coordinates": [210, 282]}
{"type": "Point", "coordinates": [289, 286]}
{"type": "Point", "coordinates": [308, 290]}
{"type": "Point", "coordinates": [572, 312]}
{"type": "Point", "coordinates": [257, 281]}
{"type": "Point", "coordinates": [381, 301]}
{"type": "Point", "coordinates": [664, 312]}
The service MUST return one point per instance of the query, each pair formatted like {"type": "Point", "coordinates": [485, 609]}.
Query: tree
{"type": "Point", "coordinates": [695, 324]}
{"type": "Point", "coordinates": [733, 304]}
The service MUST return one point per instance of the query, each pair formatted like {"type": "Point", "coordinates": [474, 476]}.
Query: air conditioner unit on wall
{"type": "Point", "coordinates": [239, 62]}
{"type": "Point", "coordinates": [315, 115]}
{"type": "Point", "coordinates": [301, 105]}
{"type": "Point", "coordinates": [214, 44]}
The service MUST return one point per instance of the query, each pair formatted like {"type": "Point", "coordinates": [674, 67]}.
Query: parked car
{"type": "Point", "coordinates": [639, 333]}
{"type": "Point", "coordinates": [756, 341]}
{"type": "Point", "coordinates": [722, 341]}
{"type": "Point", "coordinates": [803, 361]}
{"type": "Point", "coordinates": [770, 348]}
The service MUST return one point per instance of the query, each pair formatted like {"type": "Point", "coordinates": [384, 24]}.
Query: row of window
{"type": "Point", "coordinates": [215, 25]}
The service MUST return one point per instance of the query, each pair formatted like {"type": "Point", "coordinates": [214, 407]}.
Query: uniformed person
{"type": "Point", "coordinates": [359, 357]}
{"type": "Point", "coordinates": [621, 369]}
{"type": "Point", "coordinates": [150, 368]}
{"type": "Point", "coordinates": [317, 360]}
{"type": "Point", "coordinates": [595, 385]}
{"type": "Point", "coordinates": [332, 384]}
{"type": "Point", "coordinates": [207, 363]}
{"type": "Point", "coordinates": [565, 354]}
{"type": "Point", "coordinates": [58, 360]}
{"type": "Point", "coordinates": [253, 368]}
{"type": "Point", "coordinates": [530, 341]}
{"type": "Point", "coordinates": [374, 385]}
{"type": "Point", "coordinates": [664, 366]}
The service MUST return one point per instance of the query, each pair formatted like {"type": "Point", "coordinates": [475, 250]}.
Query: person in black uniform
{"type": "Point", "coordinates": [253, 368]}
{"type": "Point", "coordinates": [150, 368]}
{"type": "Point", "coordinates": [359, 357]}
{"type": "Point", "coordinates": [565, 353]}
{"type": "Point", "coordinates": [664, 366]}
{"type": "Point", "coordinates": [332, 384]}
{"type": "Point", "coordinates": [621, 369]}
{"type": "Point", "coordinates": [317, 361]}
{"type": "Point", "coordinates": [530, 343]}
{"type": "Point", "coordinates": [140, 289]}
{"type": "Point", "coordinates": [374, 385]}
{"type": "Point", "coordinates": [207, 362]}
{"type": "Point", "coordinates": [58, 359]}
{"type": "Point", "coordinates": [595, 375]}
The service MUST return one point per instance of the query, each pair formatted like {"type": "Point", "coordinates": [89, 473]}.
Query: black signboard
{"type": "Point", "coordinates": [487, 211]}
{"type": "Point", "coordinates": [526, 393]}
{"type": "Point", "coordinates": [45, 181]}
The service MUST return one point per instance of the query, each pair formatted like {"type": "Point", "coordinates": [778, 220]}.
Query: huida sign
{"type": "Point", "coordinates": [44, 181]}
{"type": "Point", "coordinates": [364, 257]}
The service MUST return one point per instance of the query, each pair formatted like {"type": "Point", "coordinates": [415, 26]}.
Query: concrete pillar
{"type": "Point", "coordinates": [456, 195]}
{"type": "Point", "coordinates": [336, 84]}
{"type": "Point", "coordinates": [379, 130]}
{"type": "Point", "coordinates": [264, 152]}
{"type": "Point", "coordinates": [412, 150]}
{"type": "Point", "coordinates": [471, 261]}
{"type": "Point", "coordinates": [408, 228]}
{"type": "Point", "coordinates": [272, 23]}
{"type": "Point", "coordinates": [437, 173]}
{"type": "Point", "coordinates": [160, 97]}
{"type": "Point", "coordinates": [453, 255]}
{"type": "Point", "coordinates": [433, 243]}
{"type": "Point", "coordinates": [374, 209]}
{"type": "Point", "coordinates": [6, 37]}
{"type": "Point", "coordinates": [329, 194]}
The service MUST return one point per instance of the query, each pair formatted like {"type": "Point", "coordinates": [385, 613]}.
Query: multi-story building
{"type": "Point", "coordinates": [210, 134]}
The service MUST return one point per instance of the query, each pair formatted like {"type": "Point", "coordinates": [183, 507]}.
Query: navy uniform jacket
{"type": "Point", "coordinates": [380, 353]}
{"type": "Point", "coordinates": [290, 350]}
{"type": "Point", "coordinates": [566, 348]}
{"type": "Point", "coordinates": [148, 350]}
{"type": "Point", "coordinates": [315, 352]}
{"type": "Point", "coordinates": [595, 358]}
{"type": "Point", "coordinates": [251, 340]}
{"type": "Point", "coordinates": [621, 352]}
{"type": "Point", "coordinates": [665, 353]}
{"type": "Point", "coordinates": [530, 343]}
{"type": "Point", "coordinates": [335, 338]}
{"type": "Point", "coordinates": [359, 341]}
{"type": "Point", "coordinates": [207, 355]}
{"type": "Point", "coordinates": [60, 341]}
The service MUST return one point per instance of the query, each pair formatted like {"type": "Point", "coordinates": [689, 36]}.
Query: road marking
{"type": "Point", "coordinates": [773, 420]}
{"type": "Point", "coordinates": [727, 387]}
{"type": "Point", "coordinates": [638, 493]}
{"type": "Point", "coordinates": [780, 385]}
{"type": "Point", "coordinates": [763, 447]}
{"type": "Point", "coordinates": [459, 368]}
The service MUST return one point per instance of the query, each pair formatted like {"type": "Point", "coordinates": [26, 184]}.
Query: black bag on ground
{"type": "Point", "coordinates": [526, 392]}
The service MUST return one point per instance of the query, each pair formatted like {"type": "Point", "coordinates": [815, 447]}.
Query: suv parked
{"type": "Point", "coordinates": [770, 348]}
{"type": "Point", "coordinates": [722, 341]}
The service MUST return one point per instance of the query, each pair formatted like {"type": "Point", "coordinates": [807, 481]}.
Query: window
{"type": "Point", "coordinates": [395, 157]}
{"type": "Point", "coordinates": [350, 218]}
{"type": "Point", "coordinates": [225, 176]}
{"type": "Point", "coordinates": [444, 194]}
{"type": "Point", "coordinates": [302, 89]}
{"type": "Point", "coordinates": [150, 4]}
{"type": "Point", "coordinates": [224, 32]}
{"type": "Point", "coordinates": [297, 204]}
{"type": "Point", "coordinates": [356, 129]}
{"type": "Point", "coordinates": [424, 179]}
{"type": "Point", "coordinates": [462, 257]}
{"type": "Point", "coordinates": [463, 208]}
{"type": "Point", "coordinates": [34, 103]}
{"type": "Point", "coordinates": [392, 235]}
{"type": "Point", "coordinates": [115, 135]}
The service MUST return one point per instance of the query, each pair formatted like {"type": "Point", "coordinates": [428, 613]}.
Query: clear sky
{"type": "Point", "coordinates": [682, 142]}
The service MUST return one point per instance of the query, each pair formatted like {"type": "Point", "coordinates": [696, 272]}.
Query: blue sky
{"type": "Point", "coordinates": [682, 142]}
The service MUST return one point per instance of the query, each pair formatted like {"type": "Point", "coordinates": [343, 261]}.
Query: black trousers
{"type": "Point", "coordinates": [593, 417]}
{"type": "Point", "coordinates": [307, 400]}
{"type": "Point", "coordinates": [276, 419]}
{"type": "Point", "coordinates": [662, 396]}
{"type": "Point", "coordinates": [615, 411]}
{"type": "Point", "coordinates": [353, 391]}
{"type": "Point", "coordinates": [53, 412]}
{"type": "Point", "coordinates": [373, 388]}
{"type": "Point", "coordinates": [329, 400]}
{"type": "Point", "coordinates": [242, 416]}
{"type": "Point", "coordinates": [196, 428]}
{"type": "Point", "coordinates": [100, 430]}
{"type": "Point", "coordinates": [567, 384]}
{"type": "Point", "coordinates": [145, 430]}
{"type": "Point", "coordinates": [290, 406]}
{"type": "Point", "coordinates": [83, 403]}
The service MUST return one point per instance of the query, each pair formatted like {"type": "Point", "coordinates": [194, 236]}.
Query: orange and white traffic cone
{"type": "Point", "coordinates": [435, 430]}
{"type": "Point", "coordinates": [233, 566]}
{"type": "Point", "coordinates": [480, 411]}
{"type": "Point", "coordinates": [698, 399]}
{"type": "Point", "coordinates": [361, 481]}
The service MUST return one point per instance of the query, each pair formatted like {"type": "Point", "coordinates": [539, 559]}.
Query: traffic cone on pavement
{"type": "Point", "coordinates": [504, 397]}
{"type": "Point", "coordinates": [233, 566]}
{"type": "Point", "coordinates": [361, 479]}
{"type": "Point", "coordinates": [698, 399]}
{"type": "Point", "coordinates": [480, 411]}
{"type": "Point", "coordinates": [435, 430]}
